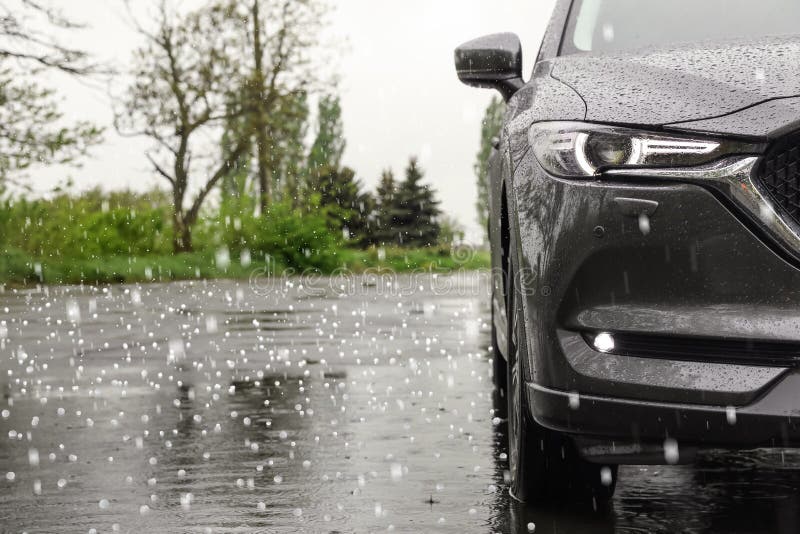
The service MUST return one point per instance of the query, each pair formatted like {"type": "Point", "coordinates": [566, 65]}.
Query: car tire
{"type": "Point", "coordinates": [543, 464]}
{"type": "Point", "coordinates": [499, 365]}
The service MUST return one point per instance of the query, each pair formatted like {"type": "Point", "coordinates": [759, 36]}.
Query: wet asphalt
{"type": "Point", "coordinates": [285, 405]}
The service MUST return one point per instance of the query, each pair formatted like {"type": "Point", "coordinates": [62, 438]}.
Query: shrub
{"type": "Point", "coordinates": [286, 235]}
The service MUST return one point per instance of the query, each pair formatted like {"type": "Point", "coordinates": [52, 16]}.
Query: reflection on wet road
{"type": "Point", "coordinates": [289, 407]}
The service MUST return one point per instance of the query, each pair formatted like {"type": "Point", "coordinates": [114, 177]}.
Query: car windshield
{"type": "Point", "coordinates": [618, 25]}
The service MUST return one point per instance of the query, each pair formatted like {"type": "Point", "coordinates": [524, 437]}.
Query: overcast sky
{"type": "Point", "coordinates": [399, 91]}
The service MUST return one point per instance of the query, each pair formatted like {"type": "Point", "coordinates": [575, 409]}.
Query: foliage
{"type": "Point", "coordinates": [238, 65]}
{"type": "Point", "coordinates": [23, 37]}
{"type": "Point", "coordinates": [452, 232]}
{"type": "Point", "coordinates": [17, 267]}
{"type": "Point", "coordinates": [430, 259]}
{"type": "Point", "coordinates": [415, 211]}
{"type": "Point", "coordinates": [329, 144]}
{"type": "Point", "coordinates": [103, 237]}
{"type": "Point", "coordinates": [92, 225]}
{"type": "Point", "coordinates": [237, 194]}
{"type": "Point", "coordinates": [287, 235]}
{"type": "Point", "coordinates": [288, 151]}
{"type": "Point", "coordinates": [271, 41]}
{"type": "Point", "coordinates": [384, 201]}
{"type": "Point", "coordinates": [490, 129]}
{"type": "Point", "coordinates": [348, 209]}
{"type": "Point", "coordinates": [31, 126]}
{"type": "Point", "coordinates": [182, 90]}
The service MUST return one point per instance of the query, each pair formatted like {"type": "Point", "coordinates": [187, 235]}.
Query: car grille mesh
{"type": "Point", "coordinates": [779, 173]}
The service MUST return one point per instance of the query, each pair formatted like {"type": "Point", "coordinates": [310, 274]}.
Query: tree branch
{"type": "Point", "coordinates": [221, 172]}
{"type": "Point", "coordinates": [159, 169]}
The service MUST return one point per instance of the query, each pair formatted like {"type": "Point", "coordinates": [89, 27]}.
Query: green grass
{"type": "Point", "coordinates": [19, 269]}
{"type": "Point", "coordinates": [425, 259]}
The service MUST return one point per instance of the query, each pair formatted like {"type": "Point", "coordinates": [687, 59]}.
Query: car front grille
{"type": "Point", "coordinates": [779, 173]}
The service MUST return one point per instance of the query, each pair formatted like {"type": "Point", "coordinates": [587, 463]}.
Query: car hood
{"type": "Point", "coordinates": [684, 83]}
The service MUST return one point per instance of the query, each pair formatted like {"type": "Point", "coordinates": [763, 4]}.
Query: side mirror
{"type": "Point", "coordinates": [493, 61]}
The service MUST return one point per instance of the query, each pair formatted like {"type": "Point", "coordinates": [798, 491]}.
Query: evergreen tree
{"type": "Point", "coordinates": [326, 152]}
{"type": "Point", "coordinates": [490, 129]}
{"type": "Point", "coordinates": [382, 229]}
{"type": "Point", "coordinates": [348, 209]}
{"type": "Point", "coordinates": [415, 211]}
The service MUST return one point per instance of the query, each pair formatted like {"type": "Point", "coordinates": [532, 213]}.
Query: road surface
{"type": "Point", "coordinates": [329, 405]}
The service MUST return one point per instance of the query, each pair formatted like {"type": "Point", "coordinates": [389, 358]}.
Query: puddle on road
{"type": "Point", "coordinates": [212, 407]}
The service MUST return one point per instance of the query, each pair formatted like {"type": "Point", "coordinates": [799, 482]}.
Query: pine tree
{"type": "Point", "coordinates": [382, 229]}
{"type": "Point", "coordinates": [490, 128]}
{"type": "Point", "coordinates": [415, 211]}
{"type": "Point", "coordinates": [348, 209]}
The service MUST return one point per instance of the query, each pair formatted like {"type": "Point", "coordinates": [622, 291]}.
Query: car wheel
{"type": "Point", "coordinates": [543, 464]}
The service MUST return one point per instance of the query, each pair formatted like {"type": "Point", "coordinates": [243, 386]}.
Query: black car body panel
{"type": "Point", "coordinates": [688, 83]}
{"type": "Point", "coordinates": [768, 120]}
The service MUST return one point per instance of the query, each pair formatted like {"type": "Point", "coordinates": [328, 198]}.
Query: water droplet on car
{"type": "Point", "coordinates": [671, 453]}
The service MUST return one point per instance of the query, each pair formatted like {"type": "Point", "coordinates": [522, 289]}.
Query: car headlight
{"type": "Point", "coordinates": [577, 149]}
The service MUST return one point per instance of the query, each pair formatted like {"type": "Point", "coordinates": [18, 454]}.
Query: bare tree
{"type": "Point", "coordinates": [184, 90]}
{"type": "Point", "coordinates": [30, 120]}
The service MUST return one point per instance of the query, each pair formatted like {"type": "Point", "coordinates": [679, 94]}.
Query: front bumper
{"type": "Point", "coordinates": [631, 431]}
{"type": "Point", "coordinates": [694, 265]}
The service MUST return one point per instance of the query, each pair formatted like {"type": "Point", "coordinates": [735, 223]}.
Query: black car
{"type": "Point", "coordinates": [645, 228]}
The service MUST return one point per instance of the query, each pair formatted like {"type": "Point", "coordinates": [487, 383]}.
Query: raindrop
{"type": "Point", "coordinates": [606, 477]}
{"type": "Point", "coordinates": [245, 258]}
{"type": "Point", "coordinates": [223, 258]}
{"type": "Point", "coordinates": [671, 454]}
{"type": "Point", "coordinates": [574, 400]}
{"type": "Point", "coordinates": [211, 324]}
{"type": "Point", "coordinates": [396, 472]}
{"type": "Point", "coordinates": [104, 504]}
{"type": "Point", "coordinates": [73, 311]}
{"type": "Point", "coordinates": [730, 415]}
{"type": "Point", "coordinates": [644, 223]}
{"type": "Point", "coordinates": [186, 500]}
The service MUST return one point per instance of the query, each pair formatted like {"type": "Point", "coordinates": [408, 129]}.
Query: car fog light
{"type": "Point", "coordinates": [604, 342]}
